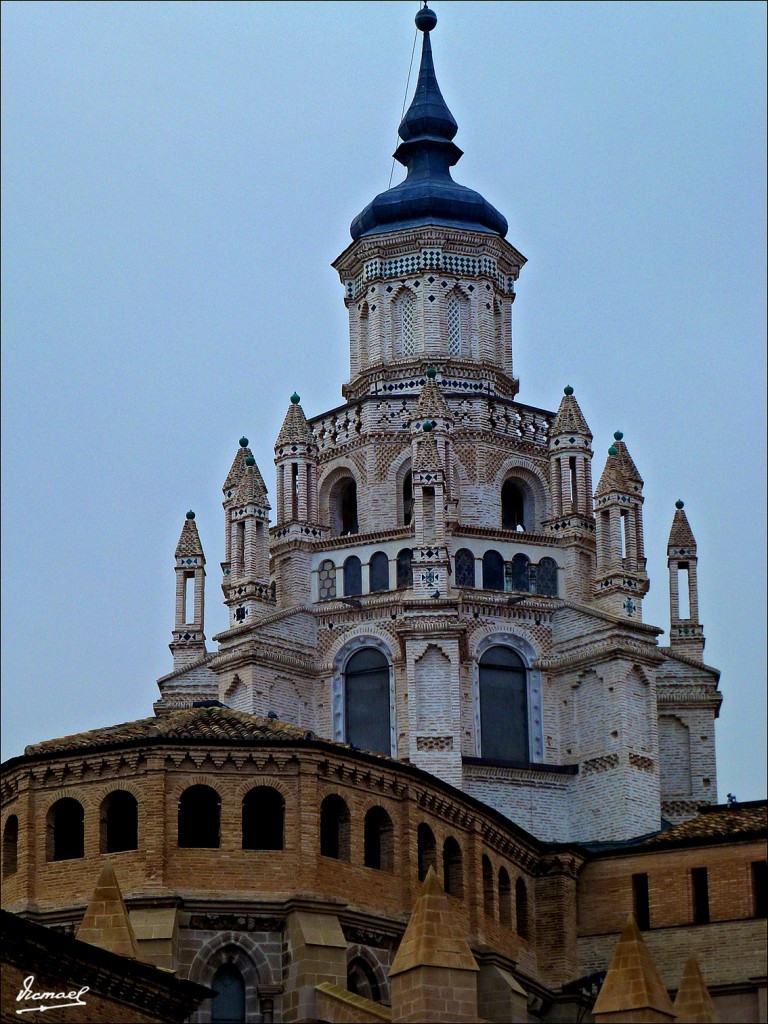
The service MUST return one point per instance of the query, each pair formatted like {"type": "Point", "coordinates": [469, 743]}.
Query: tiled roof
{"type": "Point", "coordinates": [719, 822]}
{"type": "Point", "coordinates": [681, 534]}
{"type": "Point", "coordinates": [237, 469]}
{"type": "Point", "coordinates": [251, 487]}
{"type": "Point", "coordinates": [199, 724]}
{"type": "Point", "coordinates": [189, 541]}
{"type": "Point", "coordinates": [570, 419]}
{"type": "Point", "coordinates": [295, 429]}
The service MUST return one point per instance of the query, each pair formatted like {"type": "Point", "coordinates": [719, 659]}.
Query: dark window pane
{"type": "Point", "coordinates": [121, 822]}
{"type": "Point", "coordinates": [366, 701]}
{"type": "Point", "coordinates": [228, 1007]}
{"type": "Point", "coordinates": [407, 499]}
{"type": "Point", "coordinates": [199, 818]}
{"type": "Point", "coordinates": [512, 514]}
{"type": "Point", "coordinates": [353, 577]}
{"type": "Point", "coordinates": [700, 884]}
{"type": "Point", "coordinates": [493, 571]}
{"type": "Point", "coordinates": [465, 568]}
{"type": "Point", "coordinates": [379, 572]}
{"type": "Point", "coordinates": [503, 706]}
{"type": "Point", "coordinates": [641, 905]}
{"type": "Point", "coordinates": [546, 577]}
{"type": "Point", "coordinates": [427, 849]}
{"type": "Point", "coordinates": [453, 871]}
{"type": "Point", "coordinates": [404, 569]}
{"type": "Point", "coordinates": [263, 814]}
{"type": "Point", "coordinates": [760, 888]}
{"type": "Point", "coordinates": [520, 573]}
{"type": "Point", "coordinates": [66, 820]}
{"type": "Point", "coordinates": [334, 828]}
{"type": "Point", "coordinates": [11, 846]}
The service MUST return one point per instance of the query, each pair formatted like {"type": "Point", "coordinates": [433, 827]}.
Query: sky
{"type": "Point", "coordinates": [178, 177]}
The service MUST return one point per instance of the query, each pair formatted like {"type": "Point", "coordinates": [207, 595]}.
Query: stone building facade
{"type": "Point", "coordinates": [436, 657]}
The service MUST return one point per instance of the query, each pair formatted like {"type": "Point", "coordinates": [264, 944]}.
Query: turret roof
{"type": "Point", "coordinates": [620, 473]}
{"type": "Point", "coordinates": [426, 456]}
{"type": "Point", "coordinates": [693, 1003]}
{"type": "Point", "coordinates": [428, 195]}
{"type": "Point", "coordinates": [431, 403]}
{"type": "Point", "coordinates": [238, 468]}
{"type": "Point", "coordinates": [681, 534]}
{"type": "Point", "coordinates": [189, 540]}
{"type": "Point", "coordinates": [295, 428]}
{"type": "Point", "coordinates": [106, 922]}
{"type": "Point", "coordinates": [251, 487]}
{"type": "Point", "coordinates": [632, 981]}
{"type": "Point", "coordinates": [570, 418]}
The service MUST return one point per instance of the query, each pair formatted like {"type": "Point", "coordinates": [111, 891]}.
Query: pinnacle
{"type": "Point", "coordinates": [431, 403]}
{"type": "Point", "coordinates": [570, 418]}
{"type": "Point", "coordinates": [237, 469]}
{"type": "Point", "coordinates": [681, 534]}
{"type": "Point", "coordinates": [295, 428]}
{"type": "Point", "coordinates": [251, 486]}
{"type": "Point", "coordinates": [632, 981]}
{"type": "Point", "coordinates": [106, 922]}
{"type": "Point", "coordinates": [189, 540]}
{"type": "Point", "coordinates": [693, 1004]}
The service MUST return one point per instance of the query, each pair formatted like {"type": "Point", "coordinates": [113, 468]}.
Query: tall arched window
{"type": "Point", "coordinates": [505, 897]}
{"type": "Point", "coordinates": [493, 571]}
{"type": "Point", "coordinates": [453, 869]}
{"type": "Point", "coordinates": [326, 580]}
{"type": "Point", "coordinates": [119, 823]}
{"type": "Point", "coordinates": [503, 706]}
{"type": "Point", "coordinates": [407, 498]}
{"type": "Point", "coordinates": [200, 818]}
{"type": "Point", "coordinates": [512, 507]}
{"type": "Point", "coordinates": [487, 887]}
{"type": "Point", "coordinates": [404, 325]}
{"type": "Point", "coordinates": [65, 830]}
{"type": "Point", "coordinates": [521, 573]}
{"type": "Point", "coordinates": [404, 569]}
{"type": "Point", "coordinates": [334, 828]}
{"type": "Point", "coordinates": [521, 909]}
{"type": "Point", "coordinates": [361, 980]}
{"type": "Point", "coordinates": [457, 321]}
{"type": "Point", "coordinates": [263, 819]}
{"type": "Point", "coordinates": [228, 1006]}
{"type": "Point", "coordinates": [378, 569]}
{"type": "Point", "coordinates": [342, 503]}
{"type": "Point", "coordinates": [546, 577]}
{"type": "Point", "coordinates": [366, 701]}
{"type": "Point", "coordinates": [378, 840]}
{"type": "Point", "coordinates": [353, 576]}
{"type": "Point", "coordinates": [11, 846]}
{"type": "Point", "coordinates": [465, 568]}
{"type": "Point", "coordinates": [427, 850]}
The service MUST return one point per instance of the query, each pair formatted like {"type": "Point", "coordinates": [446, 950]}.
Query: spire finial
{"type": "Point", "coordinates": [679, 504]}
{"type": "Point", "coordinates": [295, 398]}
{"type": "Point", "coordinates": [426, 19]}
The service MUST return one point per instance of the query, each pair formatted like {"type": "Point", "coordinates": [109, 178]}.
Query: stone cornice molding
{"type": "Point", "coordinates": [686, 696]}
{"type": "Point", "coordinates": [686, 659]}
{"type": "Point", "coordinates": [606, 650]}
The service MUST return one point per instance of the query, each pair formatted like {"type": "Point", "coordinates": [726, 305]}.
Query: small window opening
{"type": "Point", "coordinates": [427, 850]}
{"type": "Point", "coordinates": [505, 897]}
{"type": "Point", "coordinates": [263, 819]}
{"type": "Point", "coordinates": [641, 906]}
{"type": "Point", "coordinates": [512, 507]}
{"type": "Point", "coordinates": [189, 597]}
{"type": "Point", "coordinates": [573, 481]}
{"type": "Point", "coordinates": [378, 570]}
{"type": "Point", "coordinates": [429, 511]}
{"type": "Point", "coordinates": [521, 909]}
{"type": "Point", "coordinates": [294, 491]}
{"type": "Point", "coordinates": [493, 571]}
{"type": "Point", "coordinates": [334, 828]}
{"type": "Point", "coordinates": [453, 871]}
{"type": "Point", "coordinates": [119, 823]}
{"type": "Point", "coordinates": [349, 522]}
{"type": "Point", "coordinates": [700, 884]}
{"type": "Point", "coordinates": [240, 545]}
{"type": "Point", "coordinates": [683, 591]}
{"type": "Point", "coordinates": [200, 818]}
{"type": "Point", "coordinates": [407, 498]}
{"type": "Point", "coordinates": [465, 568]}
{"type": "Point", "coordinates": [378, 840]}
{"type": "Point", "coordinates": [66, 830]}
{"type": "Point", "coordinates": [487, 887]}
{"type": "Point", "coordinates": [623, 534]}
{"type": "Point", "coordinates": [353, 576]}
{"type": "Point", "coordinates": [404, 569]}
{"type": "Point", "coordinates": [361, 980]}
{"type": "Point", "coordinates": [11, 846]}
{"type": "Point", "coordinates": [760, 888]}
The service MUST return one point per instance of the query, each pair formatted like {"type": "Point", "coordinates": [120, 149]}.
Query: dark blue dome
{"type": "Point", "coordinates": [429, 195]}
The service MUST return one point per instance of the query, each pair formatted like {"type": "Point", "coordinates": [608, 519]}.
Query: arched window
{"type": "Point", "coordinates": [119, 823]}
{"type": "Point", "coordinates": [343, 507]}
{"type": "Point", "coordinates": [11, 846]}
{"type": "Point", "coordinates": [326, 580]}
{"type": "Point", "coordinates": [521, 908]}
{"type": "Point", "coordinates": [505, 897]}
{"type": "Point", "coordinates": [263, 819]}
{"type": "Point", "coordinates": [521, 573]}
{"type": "Point", "coordinates": [353, 576]}
{"type": "Point", "coordinates": [512, 506]}
{"type": "Point", "coordinates": [427, 850]}
{"type": "Point", "coordinates": [65, 830]}
{"type": "Point", "coordinates": [457, 320]}
{"type": "Point", "coordinates": [378, 569]}
{"type": "Point", "coordinates": [378, 840]}
{"type": "Point", "coordinates": [407, 498]}
{"type": "Point", "coordinates": [200, 818]}
{"type": "Point", "coordinates": [362, 981]}
{"type": "Point", "coordinates": [404, 569]}
{"type": "Point", "coordinates": [334, 828]}
{"type": "Point", "coordinates": [453, 871]}
{"type": "Point", "coordinates": [546, 577]}
{"type": "Point", "coordinates": [493, 571]}
{"type": "Point", "coordinates": [228, 1006]}
{"type": "Point", "coordinates": [465, 568]}
{"type": "Point", "coordinates": [487, 887]}
{"type": "Point", "coordinates": [404, 325]}
{"type": "Point", "coordinates": [366, 701]}
{"type": "Point", "coordinates": [503, 706]}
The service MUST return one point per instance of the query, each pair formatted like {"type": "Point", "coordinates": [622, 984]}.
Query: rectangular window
{"type": "Point", "coordinates": [623, 534]}
{"type": "Point", "coordinates": [700, 884]}
{"type": "Point", "coordinates": [294, 491]}
{"type": "Point", "coordinates": [641, 904]}
{"type": "Point", "coordinates": [189, 597]}
{"type": "Point", "coordinates": [760, 888]}
{"type": "Point", "coordinates": [574, 486]}
{"type": "Point", "coordinates": [683, 592]}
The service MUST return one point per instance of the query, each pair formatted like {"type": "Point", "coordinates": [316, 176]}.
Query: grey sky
{"type": "Point", "coordinates": [178, 178]}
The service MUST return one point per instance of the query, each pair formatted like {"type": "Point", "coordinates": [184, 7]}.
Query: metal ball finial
{"type": "Point", "coordinates": [568, 390]}
{"type": "Point", "coordinates": [431, 372]}
{"type": "Point", "coordinates": [243, 442]}
{"type": "Point", "coordinates": [427, 427]}
{"type": "Point", "coordinates": [426, 19]}
{"type": "Point", "coordinates": [295, 399]}
{"type": "Point", "coordinates": [613, 450]}
{"type": "Point", "coordinates": [250, 461]}
{"type": "Point", "coordinates": [618, 435]}
{"type": "Point", "coordinates": [190, 515]}
{"type": "Point", "coordinates": [679, 503]}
